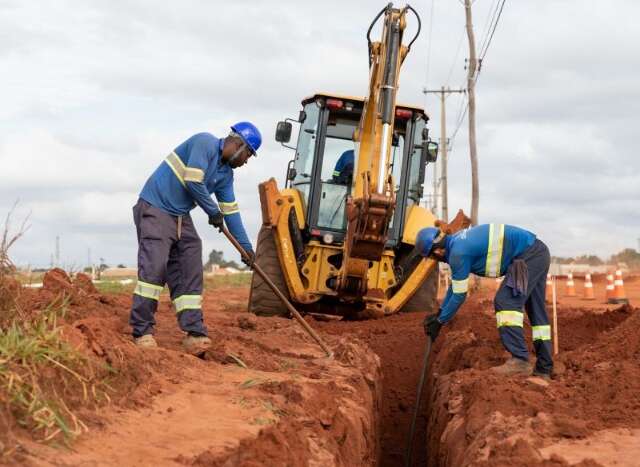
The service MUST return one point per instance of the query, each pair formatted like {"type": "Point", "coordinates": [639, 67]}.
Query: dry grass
{"type": "Point", "coordinates": [8, 285]}
{"type": "Point", "coordinates": [43, 380]}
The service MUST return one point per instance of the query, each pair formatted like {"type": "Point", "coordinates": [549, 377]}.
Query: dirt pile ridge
{"type": "Point", "coordinates": [478, 418]}
{"type": "Point", "coordinates": [263, 395]}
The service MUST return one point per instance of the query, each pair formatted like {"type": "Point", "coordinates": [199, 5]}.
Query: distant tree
{"type": "Point", "coordinates": [103, 266]}
{"type": "Point", "coordinates": [591, 260]}
{"type": "Point", "coordinates": [629, 256]}
{"type": "Point", "coordinates": [217, 257]}
{"type": "Point", "coordinates": [121, 266]}
{"type": "Point", "coordinates": [561, 260]}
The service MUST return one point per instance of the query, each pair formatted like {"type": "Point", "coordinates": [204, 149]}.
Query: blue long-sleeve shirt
{"type": "Point", "coordinates": [189, 175]}
{"type": "Point", "coordinates": [485, 250]}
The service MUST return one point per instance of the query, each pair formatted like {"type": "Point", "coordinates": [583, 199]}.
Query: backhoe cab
{"type": "Point", "coordinates": [339, 236]}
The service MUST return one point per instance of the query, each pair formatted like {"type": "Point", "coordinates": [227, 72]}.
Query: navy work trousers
{"type": "Point", "coordinates": [507, 305]}
{"type": "Point", "coordinates": [169, 251]}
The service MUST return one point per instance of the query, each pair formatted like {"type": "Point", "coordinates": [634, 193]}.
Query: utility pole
{"type": "Point", "coordinates": [471, 86]}
{"type": "Point", "coordinates": [57, 251]}
{"type": "Point", "coordinates": [443, 146]}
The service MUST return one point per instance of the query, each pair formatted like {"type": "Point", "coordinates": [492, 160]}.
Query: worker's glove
{"type": "Point", "coordinates": [249, 259]}
{"type": "Point", "coordinates": [432, 326]}
{"type": "Point", "coordinates": [217, 220]}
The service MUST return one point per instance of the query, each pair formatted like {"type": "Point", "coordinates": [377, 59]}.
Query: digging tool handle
{"type": "Point", "coordinates": [416, 410]}
{"type": "Point", "coordinates": [555, 316]}
{"type": "Point", "coordinates": [277, 291]}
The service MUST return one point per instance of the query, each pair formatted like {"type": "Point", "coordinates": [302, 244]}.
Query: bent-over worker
{"type": "Point", "coordinates": [169, 248]}
{"type": "Point", "coordinates": [495, 250]}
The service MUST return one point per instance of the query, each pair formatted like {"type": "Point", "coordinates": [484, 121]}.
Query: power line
{"type": "Point", "coordinates": [492, 26]}
{"type": "Point", "coordinates": [491, 16]}
{"type": "Point", "coordinates": [495, 25]}
{"type": "Point", "coordinates": [455, 58]}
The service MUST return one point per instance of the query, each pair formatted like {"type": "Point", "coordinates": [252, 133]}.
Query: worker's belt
{"type": "Point", "coordinates": [187, 302]}
{"type": "Point", "coordinates": [494, 250]}
{"type": "Point", "coordinates": [228, 208]}
{"type": "Point", "coordinates": [460, 286]}
{"type": "Point", "coordinates": [541, 333]}
{"type": "Point", "coordinates": [510, 318]}
{"type": "Point", "coordinates": [146, 290]}
{"type": "Point", "coordinates": [184, 174]}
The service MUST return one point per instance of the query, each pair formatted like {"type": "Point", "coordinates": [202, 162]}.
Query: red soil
{"type": "Point", "coordinates": [263, 395]}
{"type": "Point", "coordinates": [477, 418]}
{"type": "Point", "coordinates": [292, 407]}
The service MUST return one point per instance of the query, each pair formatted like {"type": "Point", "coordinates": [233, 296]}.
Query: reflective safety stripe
{"type": "Point", "coordinates": [184, 174]}
{"type": "Point", "coordinates": [192, 174]}
{"type": "Point", "coordinates": [229, 208]}
{"type": "Point", "coordinates": [177, 166]}
{"type": "Point", "coordinates": [460, 286]}
{"type": "Point", "coordinates": [336, 173]}
{"type": "Point", "coordinates": [187, 302]}
{"type": "Point", "coordinates": [494, 250]}
{"type": "Point", "coordinates": [542, 333]}
{"type": "Point", "coordinates": [510, 318]}
{"type": "Point", "coordinates": [144, 289]}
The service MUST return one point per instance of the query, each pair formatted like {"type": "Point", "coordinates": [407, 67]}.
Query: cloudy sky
{"type": "Point", "coordinates": [95, 93]}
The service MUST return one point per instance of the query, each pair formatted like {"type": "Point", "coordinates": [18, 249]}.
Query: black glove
{"type": "Point", "coordinates": [217, 220]}
{"type": "Point", "coordinates": [251, 258]}
{"type": "Point", "coordinates": [432, 326]}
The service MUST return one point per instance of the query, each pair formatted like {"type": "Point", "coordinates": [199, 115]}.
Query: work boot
{"type": "Point", "coordinates": [146, 342]}
{"type": "Point", "coordinates": [513, 366]}
{"type": "Point", "coordinates": [539, 374]}
{"type": "Point", "coordinates": [195, 345]}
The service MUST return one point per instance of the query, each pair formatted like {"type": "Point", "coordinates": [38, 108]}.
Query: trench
{"type": "Point", "coordinates": [399, 342]}
{"type": "Point", "coordinates": [463, 409]}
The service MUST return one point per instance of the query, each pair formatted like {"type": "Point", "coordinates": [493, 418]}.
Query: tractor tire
{"type": "Point", "coordinates": [262, 300]}
{"type": "Point", "coordinates": [425, 298]}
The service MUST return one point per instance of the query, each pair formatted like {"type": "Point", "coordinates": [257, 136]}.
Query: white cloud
{"type": "Point", "coordinates": [95, 94]}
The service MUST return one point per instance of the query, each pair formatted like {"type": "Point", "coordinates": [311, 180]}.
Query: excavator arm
{"type": "Point", "coordinates": [370, 209]}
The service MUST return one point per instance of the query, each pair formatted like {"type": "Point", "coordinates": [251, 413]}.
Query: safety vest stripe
{"type": "Point", "coordinates": [177, 166]}
{"type": "Point", "coordinates": [336, 173]}
{"type": "Point", "coordinates": [192, 174]}
{"type": "Point", "coordinates": [510, 318]}
{"type": "Point", "coordinates": [494, 250]}
{"type": "Point", "coordinates": [229, 208]}
{"type": "Point", "coordinates": [541, 333]}
{"type": "Point", "coordinates": [187, 302]}
{"type": "Point", "coordinates": [460, 286]}
{"type": "Point", "coordinates": [144, 289]}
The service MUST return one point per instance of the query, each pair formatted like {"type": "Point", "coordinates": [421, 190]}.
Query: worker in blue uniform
{"type": "Point", "coordinates": [343, 170]}
{"type": "Point", "coordinates": [169, 248]}
{"type": "Point", "coordinates": [495, 250]}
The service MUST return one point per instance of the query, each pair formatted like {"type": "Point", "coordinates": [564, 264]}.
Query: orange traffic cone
{"type": "Point", "coordinates": [610, 287]}
{"type": "Point", "coordinates": [571, 288]}
{"type": "Point", "coordinates": [588, 288]}
{"type": "Point", "coordinates": [619, 295]}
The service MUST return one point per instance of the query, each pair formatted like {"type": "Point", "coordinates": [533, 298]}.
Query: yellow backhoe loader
{"type": "Point", "coordinates": [340, 235]}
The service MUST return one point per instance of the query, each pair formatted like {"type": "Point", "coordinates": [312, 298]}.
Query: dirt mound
{"type": "Point", "coordinates": [83, 283]}
{"type": "Point", "coordinates": [479, 418]}
{"type": "Point", "coordinates": [57, 280]}
{"type": "Point", "coordinates": [263, 395]}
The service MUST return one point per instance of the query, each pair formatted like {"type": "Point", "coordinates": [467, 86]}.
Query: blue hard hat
{"type": "Point", "coordinates": [425, 239]}
{"type": "Point", "coordinates": [249, 134]}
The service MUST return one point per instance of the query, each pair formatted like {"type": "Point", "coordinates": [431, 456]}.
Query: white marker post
{"type": "Point", "coordinates": [555, 316]}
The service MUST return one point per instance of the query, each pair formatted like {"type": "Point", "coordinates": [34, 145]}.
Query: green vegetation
{"type": "Point", "coordinates": [115, 287]}
{"type": "Point", "coordinates": [41, 376]}
{"type": "Point", "coordinates": [228, 280]}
